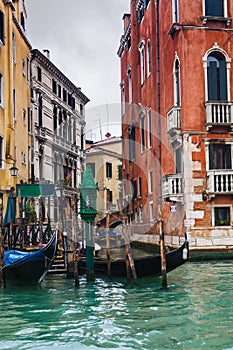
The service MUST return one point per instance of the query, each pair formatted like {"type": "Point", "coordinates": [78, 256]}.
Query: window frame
{"type": "Point", "coordinates": [226, 222]}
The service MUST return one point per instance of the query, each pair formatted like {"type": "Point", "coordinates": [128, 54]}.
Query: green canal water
{"type": "Point", "coordinates": [195, 312]}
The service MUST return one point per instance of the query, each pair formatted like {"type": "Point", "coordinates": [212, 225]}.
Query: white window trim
{"type": "Point", "coordinates": [150, 182]}
{"type": "Point", "coordinates": [228, 67]}
{"type": "Point", "coordinates": [149, 128]}
{"type": "Point", "coordinates": [173, 11]}
{"type": "Point", "coordinates": [129, 74]}
{"type": "Point", "coordinates": [148, 56]}
{"type": "Point", "coordinates": [141, 48]}
{"type": "Point", "coordinates": [220, 206]}
{"type": "Point", "coordinates": [151, 216]}
{"type": "Point", "coordinates": [174, 80]}
{"type": "Point", "coordinates": [1, 91]}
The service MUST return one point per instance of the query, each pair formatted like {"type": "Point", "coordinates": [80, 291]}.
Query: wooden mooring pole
{"type": "Point", "coordinates": [108, 243]}
{"type": "Point", "coordinates": [2, 279]}
{"type": "Point", "coordinates": [162, 254]}
{"type": "Point", "coordinates": [130, 267]}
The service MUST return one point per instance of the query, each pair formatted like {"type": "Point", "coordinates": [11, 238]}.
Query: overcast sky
{"type": "Point", "coordinates": [83, 37]}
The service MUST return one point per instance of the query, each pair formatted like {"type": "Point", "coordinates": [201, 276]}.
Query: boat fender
{"type": "Point", "coordinates": [185, 254]}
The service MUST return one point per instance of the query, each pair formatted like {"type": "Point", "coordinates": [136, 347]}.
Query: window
{"type": "Point", "coordinates": [13, 48]}
{"type": "Point", "coordinates": [177, 83]}
{"type": "Point", "coordinates": [150, 181]}
{"type": "Point", "coordinates": [175, 18]}
{"type": "Point", "coordinates": [23, 157]}
{"type": "Point", "coordinates": [142, 60]}
{"type": "Point", "coordinates": [64, 95]}
{"type": "Point", "coordinates": [143, 147]}
{"type": "Point", "coordinates": [148, 58]}
{"type": "Point", "coordinates": [122, 86]}
{"type": "Point", "coordinates": [14, 105]}
{"type": "Point", "coordinates": [1, 28]}
{"type": "Point", "coordinates": [128, 43]}
{"type": "Point", "coordinates": [23, 67]}
{"type": "Point", "coordinates": [108, 170]}
{"type": "Point", "coordinates": [92, 165]}
{"type": "Point", "coordinates": [39, 74]}
{"type": "Point", "coordinates": [222, 216]}
{"type": "Point", "coordinates": [40, 111]}
{"type": "Point", "coordinates": [130, 84]}
{"type": "Point", "coordinates": [22, 20]}
{"type": "Point", "coordinates": [214, 8]}
{"type": "Point", "coordinates": [54, 86]}
{"type": "Point", "coordinates": [134, 188]}
{"type": "Point", "coordinates": [132, 143]}
{"type": "Point", "coordinates": [151, 211]}
{"type": "Point", "coordinates": [140, 186]}
{"type": "Point", "coordinates": [1, 152]}
{"type": "Point", "coordinates": [1, 89]}
{"type": "Point", "coordinates": [24, 117]}
{"type": "Point", "coordinates": [178, 156]}
{"type": "Point", "coordinates": [220, 156]}
{"type": "Point", "coordinates": [59, 91]}
{"type": "Point", "coordinates": [149, 134]}
{"type": "Point", "coordinates": [216, 77]}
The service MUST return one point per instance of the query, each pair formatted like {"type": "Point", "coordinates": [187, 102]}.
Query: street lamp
{"type": "Point", "coordinates": [88, 194]}
{"type": "Point", "coordinates": [14, 170]}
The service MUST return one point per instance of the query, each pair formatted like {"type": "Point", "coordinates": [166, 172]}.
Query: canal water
{"type": "Point", "coordinates": [195, 312]}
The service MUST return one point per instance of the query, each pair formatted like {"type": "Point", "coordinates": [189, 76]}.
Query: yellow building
{"type": "Point", "coordinates": [104, 157]}
{"type": "Point", "coordinates": [15, 136]}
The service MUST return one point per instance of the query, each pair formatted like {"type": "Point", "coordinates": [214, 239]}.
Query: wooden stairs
{"type": "Point", "coordinates": [58, 266]}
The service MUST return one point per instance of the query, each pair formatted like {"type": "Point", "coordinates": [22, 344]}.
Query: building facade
{"type": "Point", "coordinates": [58, 123]}
{"type": "Point", "coordinates": [14, 94]}
{"type": "Point", "coordinates": [176, 78]}
{"type": "Point", "coordinates": [104, 157]}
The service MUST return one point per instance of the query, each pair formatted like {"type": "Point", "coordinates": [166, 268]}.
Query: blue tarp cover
{"type": "Point", "coordinates": [13, 256]}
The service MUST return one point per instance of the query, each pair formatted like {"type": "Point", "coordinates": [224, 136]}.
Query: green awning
{"type": "Point", "coordinates": [34, 190]}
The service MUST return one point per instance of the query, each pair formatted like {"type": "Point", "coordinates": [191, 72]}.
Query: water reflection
{"type": "Point", "coordinates": [195, 312]}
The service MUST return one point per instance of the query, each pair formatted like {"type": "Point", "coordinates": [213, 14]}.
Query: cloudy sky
{"type": "Point", "coordinates": [83, 38]}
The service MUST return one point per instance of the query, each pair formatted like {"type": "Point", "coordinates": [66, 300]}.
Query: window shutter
{"type": "Point", "coordinates": [214, 8]}
{"type": "Point", "coordinates": [211, 156]}
{"type": "Point", "coordinates": [223, 80]}
{"type": "Point", "coordinates": [212, 81]}
{"type": "Point", "coordinates": [2, 26]}
{"type": "Point", "coordinates": [228, 157]}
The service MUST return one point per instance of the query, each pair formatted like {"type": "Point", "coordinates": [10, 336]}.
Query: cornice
{"type": "Point", "coordinates": [21, 31]}
{"type": "Point", "coordinates": [46, 63]}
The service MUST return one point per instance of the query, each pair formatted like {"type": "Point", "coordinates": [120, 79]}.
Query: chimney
{"type": "Point", "coordinates": [47, 53]}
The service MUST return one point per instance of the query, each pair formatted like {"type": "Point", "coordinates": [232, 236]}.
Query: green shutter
{"type": "Point", "coordinates": [212, 81]}
{"type": "Point", "coordinates": [223, 80]}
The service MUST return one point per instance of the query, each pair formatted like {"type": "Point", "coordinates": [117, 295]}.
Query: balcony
{"type": "Point", "coordinates": [219, 114]}
{"type": "Point", "coordinates": [220, 181]}
{"type": "Point", "coordinates": [172, 187]}
{"type": "Point", "coordinates": [173, 120]}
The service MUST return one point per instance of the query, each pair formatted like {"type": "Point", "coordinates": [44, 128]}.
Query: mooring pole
{"type": "Point", "coordinates": [162, 254]}
{"type": "Point", "coordinates": [130, 267]}
{"type": "Point", "coordinates": [75, 265]}
{"type": "Point", "coordinates": [108, 236]}
{"type": "Point", "coordinates": [1, 247]}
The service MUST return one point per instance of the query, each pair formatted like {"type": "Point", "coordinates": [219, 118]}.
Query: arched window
{"type": "Point", "coordinates": [148, 58]}
{"type": "Point", "coordinates": [216, 76]}
{"type": "Point", "coordinates": [177, 83]}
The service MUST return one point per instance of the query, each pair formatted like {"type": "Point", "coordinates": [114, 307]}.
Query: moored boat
{"type": "Point", "coordinates": [29, 268]}
{"type": "Point", "coordinates": [144, 266]}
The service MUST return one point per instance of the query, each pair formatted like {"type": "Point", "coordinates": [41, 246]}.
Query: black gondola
{"type": "Point", "coordinates": [29, 268]}
{"type": "Point", "coordinates": [144, 266]}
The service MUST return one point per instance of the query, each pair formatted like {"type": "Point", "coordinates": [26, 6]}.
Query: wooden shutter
{"type": "Point", "coordinates": [228, 157]}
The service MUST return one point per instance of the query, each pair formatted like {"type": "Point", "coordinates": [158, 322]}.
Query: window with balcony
{"type": "Point", "coordinates": [222, 216]}
{"type": "Point", "coordinates": [216, 77]}
{"type": "Point", "coordinates": [220, 156]}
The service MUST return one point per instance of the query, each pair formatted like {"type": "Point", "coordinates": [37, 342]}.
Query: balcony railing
{"type": "Point", "coordinates": [172, 186]}
{"type": "Point", "coordinates": [173, 123]}
{"type": "Point", "coordinates": [220, 181]}
{"type": "Point", "coordinates": [219, 113]}
{"type": "Point", "coordinates": [68, 146]}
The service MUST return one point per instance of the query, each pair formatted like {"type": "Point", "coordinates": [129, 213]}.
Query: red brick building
{"type": "Point", "coordinates": [177, 118]}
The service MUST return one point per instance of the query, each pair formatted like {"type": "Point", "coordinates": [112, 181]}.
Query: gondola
{"type": "Point", "coordinates": [29, 268]}
{"type": "Point", "coordinates": [145, 266]}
